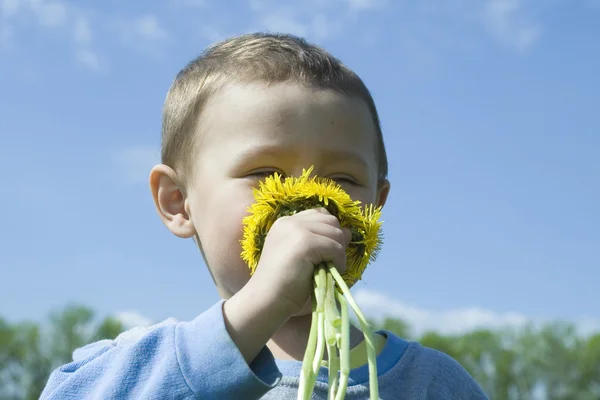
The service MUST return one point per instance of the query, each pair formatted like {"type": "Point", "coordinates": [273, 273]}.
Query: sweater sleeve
{"type": "Point", "coordinates": [170, 360]}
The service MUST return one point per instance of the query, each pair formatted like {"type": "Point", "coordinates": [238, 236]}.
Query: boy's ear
{"type": "Point", "coordinates": [170, 201]}
{"type": "Point", "coordinates": [382, 192]}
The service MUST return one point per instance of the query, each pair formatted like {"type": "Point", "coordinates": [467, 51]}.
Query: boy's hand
{"type": "Point", "coordinates": [292, 249]}
{"type": "Point", "coordinates": [282, 283]}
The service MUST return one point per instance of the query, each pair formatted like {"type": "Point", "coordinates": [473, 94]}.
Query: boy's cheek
{"type": "Point", "coordinates": [365, 195]}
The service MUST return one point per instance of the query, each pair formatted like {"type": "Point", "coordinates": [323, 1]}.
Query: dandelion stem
{"type": "Point", "coordinates": [333, 368]}
{"type": "Point", "coordinates": [320, 282]}
{"type": "Point", "coordinates": [332, 314]}
{"type": "Point", "coordinates": [333, 322]}
{"type": "Point", "coordinates": [371, 354]}
{"type": "Point", "coordinates": [320, 343]}
{"type": "Point", "coordinates": [306, 384]}
{"type": "Point", "coordinates": [344, 349]}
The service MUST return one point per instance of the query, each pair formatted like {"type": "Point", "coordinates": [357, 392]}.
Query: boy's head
{"type": "Point", "coordinates": [248, 107]}
{"type": "Point", "coordinates": [251, 58]}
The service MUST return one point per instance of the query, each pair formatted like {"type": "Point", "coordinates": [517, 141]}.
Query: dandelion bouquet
{"type": "Point", "coordinates": [330, 327]}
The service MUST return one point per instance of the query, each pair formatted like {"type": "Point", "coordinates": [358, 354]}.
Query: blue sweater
{"type": "Point", "coordinates": [198, 360]}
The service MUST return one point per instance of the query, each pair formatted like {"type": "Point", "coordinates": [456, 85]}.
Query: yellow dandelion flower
{"type": "Point", "coordinates": [276, 197]}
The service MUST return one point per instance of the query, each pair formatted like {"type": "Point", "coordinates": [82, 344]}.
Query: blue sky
{"type": "Point", "coordinates": [489, 110]}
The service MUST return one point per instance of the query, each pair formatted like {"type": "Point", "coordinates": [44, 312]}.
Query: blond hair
{"type": "Point", "coordinates": [271, 58]}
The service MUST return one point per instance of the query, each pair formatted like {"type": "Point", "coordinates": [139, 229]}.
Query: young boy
{"type": "Point", "coordinates": [246, 108]}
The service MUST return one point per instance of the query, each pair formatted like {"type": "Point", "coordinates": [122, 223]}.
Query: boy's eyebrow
{"type": "Point", "coordinates": [347, 156]}
{"type": "Point", "coordinates": [277, 151]}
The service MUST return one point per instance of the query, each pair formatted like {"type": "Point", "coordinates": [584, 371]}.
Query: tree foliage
{"type": "Point", "coordinates": [30, 351]}
{"type": "Point", "coordinates": [548, 362]}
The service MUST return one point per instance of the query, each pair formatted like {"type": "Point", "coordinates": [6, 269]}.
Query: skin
{"type": "Point", "coordinates": [247, 132]}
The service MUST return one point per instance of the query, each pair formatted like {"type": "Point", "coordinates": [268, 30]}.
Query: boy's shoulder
{"type": "Point", "coordinates": [129, 336]}
{"type": "Point", "coordinates": [429, 372]}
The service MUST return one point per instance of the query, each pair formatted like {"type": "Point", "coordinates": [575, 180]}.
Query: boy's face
{"type": "Point", "coordinates": [247, 132]}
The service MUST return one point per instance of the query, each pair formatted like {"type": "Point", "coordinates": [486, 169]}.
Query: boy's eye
{"type": "Point", "coordinates": [263, 173]}
{"type": "Point", "coordinates": [344, 180]}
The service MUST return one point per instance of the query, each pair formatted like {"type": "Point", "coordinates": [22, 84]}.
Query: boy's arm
{"type": "Point", "coordinates": [252, 316]}
{"type": "Point", "coordinates": [185, 360]}
{"type": "Point", "coordinates": [209, 358]}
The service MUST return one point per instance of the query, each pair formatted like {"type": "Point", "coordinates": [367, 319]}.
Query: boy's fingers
{"type": "Point", "coordinates": [341, 266]}
{"type": "Point", "coordinates": [348, 235]}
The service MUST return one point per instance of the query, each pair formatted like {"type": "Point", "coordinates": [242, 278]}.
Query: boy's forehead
{"type": "Point", "coordinates": [284, 121]}
{"type": "Point", "coordinates": [258, 104]}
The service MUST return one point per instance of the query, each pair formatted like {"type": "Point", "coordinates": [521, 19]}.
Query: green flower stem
{"type": "Point", "coordinates": [330, 330]}
{"type": "Point", "coordinates": [320, 282]}
{"type": "Point", "coordinates": [305, 387]}
{"type": "Point", "coordinates": [332, 314]}
{"type": "Point", "coordinates": [344, 349]}
{"type": "Point", "coordinates": [320, 344]}
{"type": "Point", "coordinates": [333, 368]}
{"type": "Point", "coordinates": [371, 354]}
{"type": "Point", "coordinates": [333, 320]}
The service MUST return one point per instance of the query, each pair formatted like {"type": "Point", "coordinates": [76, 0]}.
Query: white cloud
{"type": "Point", "coordinates": [135, 163]}
{"type": "Point", "coordinates": [323, 27]}
{"type": "Point", "coordinates": [88, 58]}
{"type": "Point", "coordinates": [132, 319]}
{"type": "Point", "coordinates": [68, 16]}
{"type": "Point", "coordinates": [365, 4]}
{"type": "Point", "coordinates": [284, 23]}
{"type": "Point", "coordinates": [192, 3]}
{"type": "Point", "coordinates": [257, 5]}
{"type": "Point", "coordinates": [148, 27]}
{"type": "Point", "coordinates": [505, 20]}
{"type": "Point", "coordinates": [213, 33]}
{"type": "Point", "coordinates": [82, 36]}
{"type": "Point", "coordinates": [318, 20]}
{"type": "Point", "coordinates": [508, 21]}
{"type": "Point", "coordinates": [82, 33]}
{"type": "Point", "coordinates": [9, 8]}
{"type": "Point", "coordinates": [320, 26]}
{"type": "Point", "coordinates": [145, 33]}
{"type": "Point", "coordinates": [7, 33]}
{"type": "Point", "coordinates": [377, 305]}
{"type": "Point", "coordinates": [49, 13]}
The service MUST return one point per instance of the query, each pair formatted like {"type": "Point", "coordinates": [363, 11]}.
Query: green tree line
{"type": "Point", "coordinates": [526, 363]}
{"type": "Point", "coordinates": [549, 362]}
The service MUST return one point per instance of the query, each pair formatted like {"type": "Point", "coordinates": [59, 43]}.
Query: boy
{"type": "Point", "coordinates": [246, 108]}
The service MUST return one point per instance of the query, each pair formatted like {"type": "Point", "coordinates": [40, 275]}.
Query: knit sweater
{"type": "Point", "coordinates": [198, 360]}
